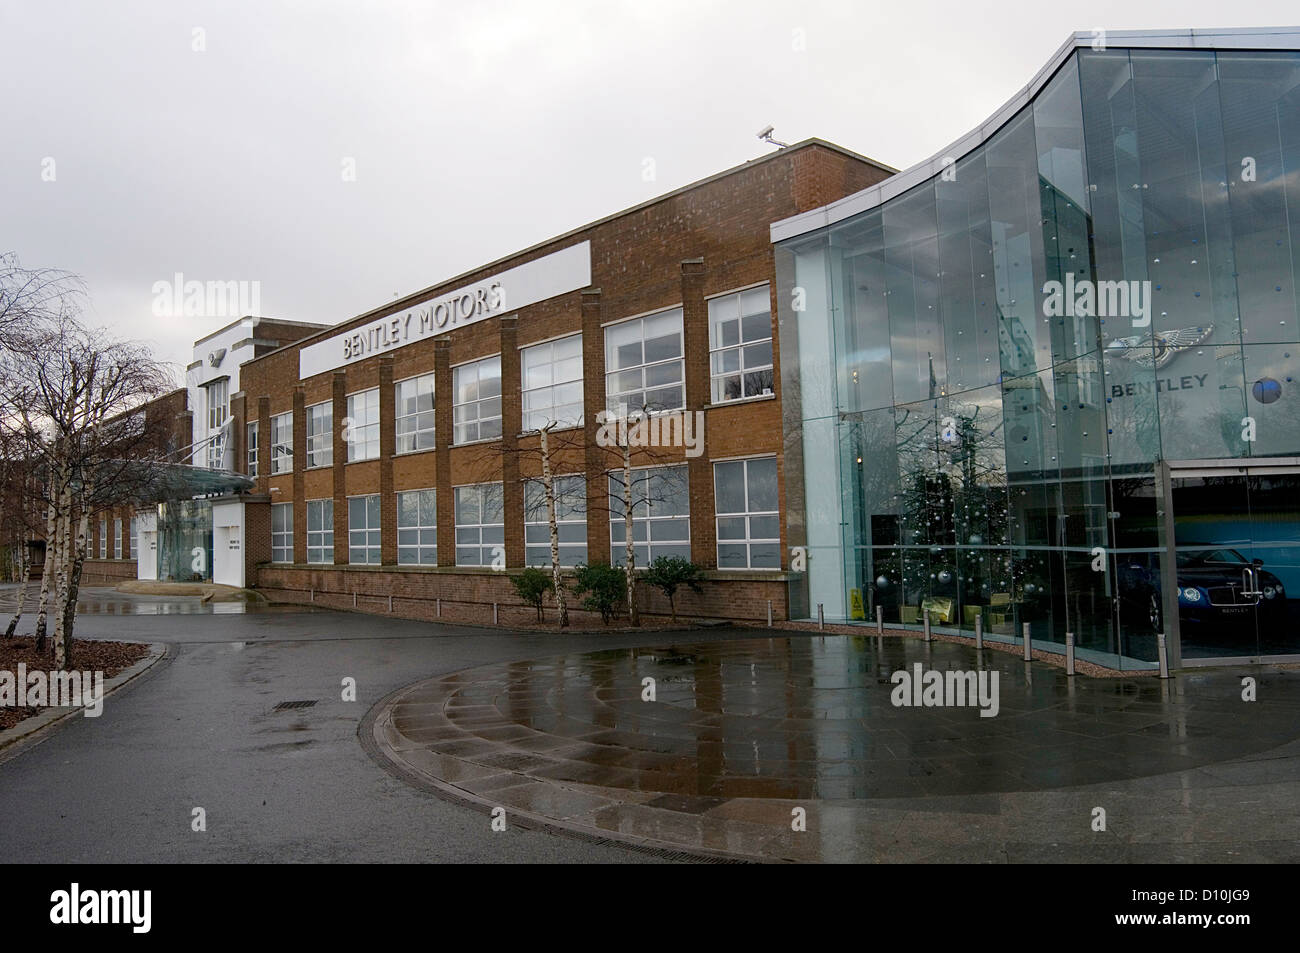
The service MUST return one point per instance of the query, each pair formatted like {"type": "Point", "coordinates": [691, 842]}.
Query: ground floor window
{"type": "Point", "coordinates": [661, 524]}
{"type": "Point", "coordinates": [417, 528]}
{"type": "Point", "coordinates": [571, 521]}
{"type": "Point", "coordinates": [745, 500]}
{"type": "Point", "coordinates": [281, 532]}
{"type": "Point", "coordinates": [480, 525]}
{"type": "Point", "coordinates": [363, 530]}
{"type": "Point", "coordinates": [320, 531]}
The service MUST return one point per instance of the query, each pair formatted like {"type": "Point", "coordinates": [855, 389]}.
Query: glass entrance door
{"type": "Point", "coordinates": [1237, 556]}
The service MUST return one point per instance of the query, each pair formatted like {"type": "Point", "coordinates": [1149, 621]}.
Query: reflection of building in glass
{"type": "Point", "coordinates": [1002, 459]}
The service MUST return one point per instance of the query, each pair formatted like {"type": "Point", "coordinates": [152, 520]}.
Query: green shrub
{"type": "Point", "coordinates": [532, 585]}
{"type": "Point", "coordinates": [601, 588]}
{"type": "Point", "coordinates": [669, 573]}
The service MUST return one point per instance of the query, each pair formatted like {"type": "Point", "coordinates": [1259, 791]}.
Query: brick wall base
{"type": "Point", "coordinates": [107, 572]}
{"type": "Point", "coordinates": [468, 595]}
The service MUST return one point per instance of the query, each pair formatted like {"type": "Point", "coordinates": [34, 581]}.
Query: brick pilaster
{"type": "Point", "coordinates": [593, 400]}
{"type": "Point", "coordinates": [511, 422]}
{"type": "Point", "coordinates": [387, 447]}
{"type": "Point", "coordinates": [339, 410]}
{"type": "Point", "coordinates": [442, 451]}
{"type": "Point", "coordinates": [695, 338]}
{"type": "Point", "coordinates": [299, 474]}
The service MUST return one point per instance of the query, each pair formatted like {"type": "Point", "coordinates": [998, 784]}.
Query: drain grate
{"type": "Point", "coordinates": [290, 706]}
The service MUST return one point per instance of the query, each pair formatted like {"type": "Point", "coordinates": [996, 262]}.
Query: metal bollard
{"type": "Point", "coordinates": [769, 613]}
{"type": "Point", "coordinates": [821, 617]}
{"type": "Point", "coordinates": [354, 600]}
{"type": "Point", "coordinates": [440, 607]}
{"type": "Point", "coordinates": [494, 613]}
{"type": "Point", "coordinates": [1161, 654]}
{"type": "Point", "coordinates": [1029, 652]}
{"type": "Point", "coordinates": [1069, 653]}
{"type": "Point", "coordinates": [979, 632]}
{"type": "Point", "coordinates": [390, 602]}
{"type": "Point", "coordinates": [925, 614]}
{"type": "Point", "coordinates": [313, 594]}
{"type": "Point", "coordinates": [880, 620]}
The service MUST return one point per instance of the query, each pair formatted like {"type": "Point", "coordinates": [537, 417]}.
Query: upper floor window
{"type": "Point", "coordinates": [552, 383]}
{"type": "Point", "coordinates": [363, 425]}
{"type": "Point", "coordinates": [134, 540]}
{"type": "Point", "coordinates": [320, 435]}
{"type": "Point", "coordinates": [117, 539]}
{"type": "Point", "coordinates": [282, 443]}
{"type": "Point", "coordinates": [644, 365]}
{"type": "Point", "coordinates": [252, 431]}
{"type": "Point", "coordinates": [414, 404]}
{"type": "Point", "coordinates": [103, 539]}
{"type": "Point", "coordinates": [476, 402]}
{"type": "Point", "coordinates": [218, 403]}
{"type": "Point", "coordinates": [740, 345]}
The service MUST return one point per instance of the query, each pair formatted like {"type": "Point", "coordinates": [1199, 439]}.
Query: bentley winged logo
{"type": "Point", "coordinates": [1157, 350]}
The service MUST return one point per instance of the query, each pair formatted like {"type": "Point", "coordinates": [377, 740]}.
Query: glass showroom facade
{"type": "Point", "coordinates": [1055, 382]}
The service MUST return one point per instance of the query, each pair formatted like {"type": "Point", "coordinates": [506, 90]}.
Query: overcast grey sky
{"type": "Point", "coordinates": [476, 128]}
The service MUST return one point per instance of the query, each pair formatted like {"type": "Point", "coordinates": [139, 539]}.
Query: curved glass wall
{"type": "Point", "coordinates": [984, 376]}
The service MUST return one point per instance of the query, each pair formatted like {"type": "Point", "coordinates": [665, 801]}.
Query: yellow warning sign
{"type": "Point", "coordinates": [856, 611]}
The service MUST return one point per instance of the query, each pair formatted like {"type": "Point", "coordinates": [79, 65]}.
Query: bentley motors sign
{"type": "Point", "coordinates": [566, 270]}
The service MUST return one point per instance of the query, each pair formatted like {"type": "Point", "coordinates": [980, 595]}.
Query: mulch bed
{"type": "Point", "coordinates": [87, 656]}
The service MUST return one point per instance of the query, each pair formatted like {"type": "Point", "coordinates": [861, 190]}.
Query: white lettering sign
{"type": "Point", "coordinates": [554, 274]}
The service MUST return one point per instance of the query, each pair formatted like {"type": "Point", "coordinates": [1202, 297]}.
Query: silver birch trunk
{"type": "Point", "coordinates": [26, 563]}
{"type": "Point", "coordinates": [629, 564]}
{"type": "Point", "coordinates": [548, 481]}
{"type": "Point", "coordinates": [73, 547]}
{"type": "Point", "coordinates": [47, 571]}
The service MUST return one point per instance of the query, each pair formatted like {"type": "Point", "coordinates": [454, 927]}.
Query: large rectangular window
{"type": "Point", "coordinates": [661, 523]}
{"type": "Point", "coordinates": [135, 551]}
{"type": "Point", "coordinates": [476, 402]}
{"type": "Point", "coordinates": [414, 403]}
{"type": "Point", "coordinates": [320, 531]}
{"type": "Point", "coordinates": [417, 528]}
{"type": "Point", "coordinates": [117, 539]}
{"type": "Point", "coordinates": [644, 364]}
{"type": "Point", "coordinates": [281, 532]}
{"type": "Point", "coordinates": [745, 500]}
{"type": "Point", "coordinates": [363, 530]}
{"type": "Point", "coordinates": [570, 516]}
{"type": "Point", "coordinates": [480, 524]}
{"type": "Point", "coordinates": [252, 430]}
{"type": "Point", "coordinates": [363, 425]}
{"type": "Point", "coordinates": [103, 539]}
{"type": "Point", "coordinates": [218, 410]}
{"type": "Point", "coordinates": [552, 383]}
{"type": "Point", "coordinates": [320, 435]}
{"type": "Point", "coordinates": [740, 345]}
{"type": "Point", "coordinates": [282, 443]}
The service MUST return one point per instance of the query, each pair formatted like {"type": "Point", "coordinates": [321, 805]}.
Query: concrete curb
{"type": "Point", "coordinates": [32, 731]}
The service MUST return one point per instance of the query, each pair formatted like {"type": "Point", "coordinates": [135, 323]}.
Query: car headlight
{"type": "Point", "coordinates": [1192, 595]}
{"type": "Point", "coordinates": [1269, 592]}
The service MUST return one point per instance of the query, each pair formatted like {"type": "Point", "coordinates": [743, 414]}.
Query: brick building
{"type": "Point", "coordinates": [394, 457]}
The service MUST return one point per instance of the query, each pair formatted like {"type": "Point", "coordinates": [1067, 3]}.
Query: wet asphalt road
{"type": "Point", "coordinates": [197, 731]}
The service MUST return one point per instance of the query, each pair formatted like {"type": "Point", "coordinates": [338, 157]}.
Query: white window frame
{"type": "Point", "coordinates": [421, 529]}
{"type": "Point", "coordinates": [320, 435]}
{"type": "Point", "coordinates": [473, 536]}
{"type": "Point", "coordinates": [372, 535]}
{"type": "Point", "coordinates": [737, 306]}
{"type": "Point", "coordinates": [103, 539]}
{"type": "Point", "coordinates": [461, 422]}
{"type": "Point", "coordinates": [415, 439]}
{"type": "Point", "coordinates": [117, 537]}
{"type": "Point", "coordinates": [537, 526]}
{"type": "Point", "coordinates": [362, 425]}
{"type": "Point", "coordinates": [618, 545]}
{"type": "Point", "coordinates": [321, 541]}
{"type": "Point", "coordinates": [282, 437]}
{"type": "Point", "coordinates": [218, 400]}
{"type": "Point", "coordinates": [134, 543]}
{"type": "Point", "coordinates": [282, 539]}
{"type": "Point", "coordinates": [620, 399]}
{"type": "Point", "coordinates": [251, 436]}
{"type": "Point", "coordinates": [541, 396]}
{"type": "Point", "coordinates": [749, 540]}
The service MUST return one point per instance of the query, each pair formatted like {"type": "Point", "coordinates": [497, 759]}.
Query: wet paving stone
{"type": "Point", "coordinates": [743, 733]}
